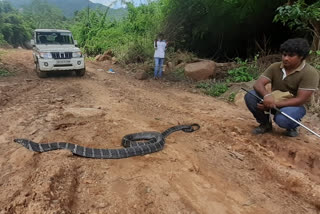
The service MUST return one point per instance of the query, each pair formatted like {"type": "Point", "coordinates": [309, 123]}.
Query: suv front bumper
{"type": "Point", "coordinates": [61, 64]}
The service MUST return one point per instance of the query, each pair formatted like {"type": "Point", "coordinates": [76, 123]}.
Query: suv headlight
{"type": "Point", "coordinates": [45, 55]}
{"type": "Point", "coordinates": [76, 54]}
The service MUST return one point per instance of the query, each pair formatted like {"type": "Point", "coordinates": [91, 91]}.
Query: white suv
{"type": "Point", "coordinates": [55, 50]}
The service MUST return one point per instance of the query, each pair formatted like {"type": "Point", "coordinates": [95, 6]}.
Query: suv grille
{"type": "Point", "coordinates": [61, 55]}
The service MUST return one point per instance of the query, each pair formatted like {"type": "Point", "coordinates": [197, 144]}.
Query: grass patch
{"type": "Point", "coordinates": [176, 75]}
{"type": "Point", "coordinates": [213, 89]}
{"type": "Point", "coordinates": [231, 97]}
{"type": "Point", "coordinates": [179, 73]}
{"type": "Point", "coordinates": [4, 73]}
{"type": "Point", "coordinates": [90, 58]}
{"type": "Point", "coordinates": [2, 52]}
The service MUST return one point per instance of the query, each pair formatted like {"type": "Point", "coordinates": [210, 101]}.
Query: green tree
{"type": "Point", "coordinates": [44, 15]}
{"type": "Point", "coordinates": [14, 29]}
{"type": "Point", "coordinates": [301, 16]}
{"type": "Point", "coordinates": [130, 38]}
{"type": "Point", "coordinates": [219, 27]}
{"type": "Point", "coordinates": [88, 29]}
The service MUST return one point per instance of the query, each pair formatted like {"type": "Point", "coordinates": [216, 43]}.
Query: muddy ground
{"type": "Point", "coordinates": [221, 168]}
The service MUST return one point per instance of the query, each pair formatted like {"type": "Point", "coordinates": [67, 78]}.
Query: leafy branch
{"type": "Point", "coordinates": [301, 16]}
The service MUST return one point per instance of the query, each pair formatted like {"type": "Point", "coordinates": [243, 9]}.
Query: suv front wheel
{"type": "Point", "coordinates": [40, 74]}
{"type": "Point", "coordinates": [81, 72]}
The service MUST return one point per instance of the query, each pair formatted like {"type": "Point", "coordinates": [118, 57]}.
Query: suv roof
{"type": "Point", "coordinates": [52, 30]}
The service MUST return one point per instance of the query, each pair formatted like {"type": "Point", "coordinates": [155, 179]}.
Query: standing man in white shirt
{"type": "Point", "coordinates": [160, 47]}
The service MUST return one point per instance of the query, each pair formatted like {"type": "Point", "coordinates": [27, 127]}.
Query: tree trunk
{"type": "Point", "coordinates": [316, 36]}
{"type": "Point", "coordinates": [315, 43]}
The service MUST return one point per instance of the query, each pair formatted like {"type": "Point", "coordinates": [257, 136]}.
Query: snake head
{"type": "Point", "coordinates": [22, 142]}
{"type": "Point", "coordinates": [192, 128]}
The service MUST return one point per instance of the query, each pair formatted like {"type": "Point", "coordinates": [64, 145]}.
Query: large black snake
{"type": "Point", "coordinates": [134, 144]}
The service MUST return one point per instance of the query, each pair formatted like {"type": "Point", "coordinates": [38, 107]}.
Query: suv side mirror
{"type": "Point", "coordinates": [32, 42]}
{"type": "Point", "coordinates": [76, 43]}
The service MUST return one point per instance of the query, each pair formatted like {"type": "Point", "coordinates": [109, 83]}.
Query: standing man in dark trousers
{"type": "Point", "coordinates": [293, 76]}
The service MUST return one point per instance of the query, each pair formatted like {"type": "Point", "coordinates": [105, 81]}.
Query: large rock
{"type": "Point", "coordinates": [170, 65]}
{"type": "Point", "coordinates": [181, 65]}
{"type": "Point", "coordinates": [114, 60]}
{"type": "Point", "coordinates": [107, 55]}
{"type": "Point", "coordinates": [200, 70]}
{"type": "Point", "coordinates": [97, 57]}
{"type": "Point", "coordinates": [104, 58]}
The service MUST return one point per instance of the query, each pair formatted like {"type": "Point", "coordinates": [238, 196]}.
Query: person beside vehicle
{"type": "Point", "coordinates": [160, 47]}
{"type": "Point", "coordinates": [293, 77]}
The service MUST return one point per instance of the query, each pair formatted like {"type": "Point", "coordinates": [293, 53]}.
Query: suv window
{"type": "Point", "coordinates": [54, 38]}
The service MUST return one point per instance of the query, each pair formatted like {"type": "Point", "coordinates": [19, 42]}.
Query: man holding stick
{"type": "Point", "coordinates": [293, 81]}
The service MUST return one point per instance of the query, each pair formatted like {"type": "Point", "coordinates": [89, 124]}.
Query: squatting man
{"type": "Point", "coordinates": [293, 82]}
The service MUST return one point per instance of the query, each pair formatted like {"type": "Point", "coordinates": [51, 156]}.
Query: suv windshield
{"type": "Point", "coordinates": [54, 38]}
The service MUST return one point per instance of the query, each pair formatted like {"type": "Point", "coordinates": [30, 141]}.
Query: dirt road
{"type": "Point", "coordinates": [222, 168]}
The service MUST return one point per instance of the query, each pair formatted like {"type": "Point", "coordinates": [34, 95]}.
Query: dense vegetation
{"type": "Point", "coordinates": [219, 29]}
{"type": "Point", "coordinates": [130, 38]}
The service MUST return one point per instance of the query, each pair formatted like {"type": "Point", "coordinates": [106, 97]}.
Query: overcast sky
{"type": "Point", "coordinates": [117, 4]}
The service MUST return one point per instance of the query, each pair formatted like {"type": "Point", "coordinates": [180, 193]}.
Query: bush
{"type": "Point", "coordinates": [179, 56]}
{"type": "Point", "coordinates": [138, 52]}
{"type": "Point", "coordinates": [215, 89]}
{"type": "Point", "coordinates": [245, 72]}
{"type": "Point", "coordinates": [240, 75]}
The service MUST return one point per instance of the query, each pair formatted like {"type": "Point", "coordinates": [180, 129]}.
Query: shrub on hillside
{"type": "Point", "coordinates": [138, 52]}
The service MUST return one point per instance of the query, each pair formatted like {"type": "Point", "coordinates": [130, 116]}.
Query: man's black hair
{"type": "Point", "coordinates": [297, 46]}
{"type": "Point", "coordinates": [161, 35]}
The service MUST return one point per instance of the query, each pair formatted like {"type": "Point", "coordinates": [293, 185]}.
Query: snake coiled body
{"type": "Point", "coordinates": [134, 144]}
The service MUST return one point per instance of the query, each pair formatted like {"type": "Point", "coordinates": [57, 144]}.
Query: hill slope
{"type": "Point", "coordinates": [68, 7]}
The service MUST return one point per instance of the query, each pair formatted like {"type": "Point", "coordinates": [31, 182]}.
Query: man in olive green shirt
{"type": "Point", "coordinates": [294, 76]}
